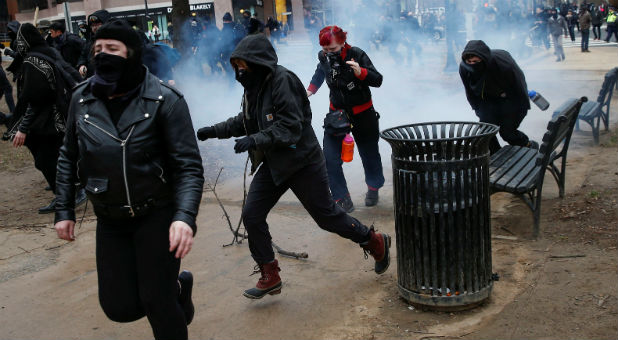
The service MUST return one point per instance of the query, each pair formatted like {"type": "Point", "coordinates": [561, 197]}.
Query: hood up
{"type": "Point", "coordinates": [258, 50]}
{"type": "Point", "coordinates": [479, 49]}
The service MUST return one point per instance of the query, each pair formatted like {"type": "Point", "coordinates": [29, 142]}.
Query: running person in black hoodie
{"type": "Point", "coordinates": [496, 89]}
{"type": "Point", "coordinates": [276, 128]}
{"type": "Point", "coordinates": [349, 73]}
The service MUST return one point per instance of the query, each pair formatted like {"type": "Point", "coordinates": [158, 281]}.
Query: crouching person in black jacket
{"type": "Point", "coordinates": [129, 141]}
{"type": "Point", "coordinates": [276, 128]}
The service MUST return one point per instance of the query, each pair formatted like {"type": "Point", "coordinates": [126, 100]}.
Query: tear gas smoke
{"type": "Point", "coordinates": [411, 53]}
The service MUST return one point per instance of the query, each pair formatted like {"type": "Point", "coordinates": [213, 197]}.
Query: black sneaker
{"type": "Point", "coordinates": [185, 279]}
{"type": "Point", "coordinates": [533, 145]}
{"type": "Point", "coordinates": [346, 204]}
{"type": "Point", "coordinates": [50, 208]}
{"type": "Point", "coordinates": [371, 198]}
{"type": "Point", "coordinates": [80, 197]}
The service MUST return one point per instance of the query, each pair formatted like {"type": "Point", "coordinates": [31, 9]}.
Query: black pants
{"type": "Point", "coordinates": [45, 151]}
{"type": "Point", "coordinates": [508, 123]}
{"type": "Point", "coordinates": [310, 185]}
{"type": "Point", "coordinates": [611, 30]}
{"type": "Point", "coordinates": [596, 30]}
{"type": "Point", "coordinates": [7, 90]}
{"type": "Point", "coordinates": [137, 273]}
{"type": "Point", "coordinates": [585, 39]}
{"type": "Point", "coordinates": [366, 132]}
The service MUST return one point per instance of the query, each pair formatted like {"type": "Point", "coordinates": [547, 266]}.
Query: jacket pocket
{"type": "Point", "coordinates": [159, 172]}
{"type": "Point", "coordinates": [96, 185]}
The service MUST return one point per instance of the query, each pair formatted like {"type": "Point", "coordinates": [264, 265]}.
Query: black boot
{"type": "Point", "coordinates": [48, 209]}
{"type": "Point", "coordinates": [346, 204]}
{"type": "Point", "coordinates": [371, 198]}
{"type": "Point", "coordinates": [185, 281]}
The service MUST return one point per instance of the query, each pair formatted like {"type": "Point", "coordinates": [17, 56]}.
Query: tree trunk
{"type": "Point", "coordinates": [182, 33]}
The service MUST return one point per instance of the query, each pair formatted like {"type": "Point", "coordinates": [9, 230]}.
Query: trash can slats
{"type": "Point", "coordinates": [442, 208]}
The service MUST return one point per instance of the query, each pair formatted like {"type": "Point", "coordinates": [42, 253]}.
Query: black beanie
{"type": "Point", "coordinates": [121, 30]}
{"type": "Point", "coordinates": [227, 17]}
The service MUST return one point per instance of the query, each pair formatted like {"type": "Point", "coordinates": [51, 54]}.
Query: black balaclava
{"type": "Point", "coordinates": [114, 74]}
{"type": "Point", "coordinates": [251, 79]}
{"type": "Point", "coordinates": [476, 74]}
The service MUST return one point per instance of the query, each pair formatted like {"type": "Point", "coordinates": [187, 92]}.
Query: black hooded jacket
{"type": "Point", "coordinates": [278, 119]}
{"type": "Point", "coordinates": [34, 112]}
{"type": "Point", "coordinates": [500, 86]}
{"type": "Point", "coordinates": [86, 54]}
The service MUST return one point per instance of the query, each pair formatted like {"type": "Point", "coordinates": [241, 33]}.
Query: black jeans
{"type": "Point", "coordinates": [508, 123]}
{"type": "Point", "coordinates": [572, 32]}
{"type": "Point", "coordinates": [585, 39]}
{"type": "Point", "coordinates": [596, 30]}
{"type": "Point", "coordinates": [310, 185]}
{"type": "Point", "coordinates": [137, 273]}
{"type": "Point", "coordinates": [611, 30]}
{"type": "Point", "coordinates": [6, 90]}
{"type": "Point", "coordinates": [366, 132]}
{"type": "Point", "coordinates": [45, 151]}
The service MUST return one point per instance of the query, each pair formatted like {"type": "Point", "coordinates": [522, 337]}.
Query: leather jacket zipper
{"type": "Point", "coordinates": [123, 145]}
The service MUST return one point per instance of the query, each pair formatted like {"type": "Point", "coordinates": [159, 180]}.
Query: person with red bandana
{"type": "Point", "coordinates": [349, 73]}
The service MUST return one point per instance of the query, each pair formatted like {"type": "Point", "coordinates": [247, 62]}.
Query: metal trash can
{"type": "Point", "coordinates": [442, 212]}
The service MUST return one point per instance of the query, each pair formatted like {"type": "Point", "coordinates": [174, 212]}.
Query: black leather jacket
{"type": "Point", "coordinates": [149, 159]}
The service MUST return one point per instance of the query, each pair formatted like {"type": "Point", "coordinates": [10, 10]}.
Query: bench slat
{"type": "Point", "coordinates": [526, 179]}
{"type": "Point", "coordinates": [509, 178]}
{"type": "Point", "coordinates": [514, 155]}
{"type": "Point", "coordinates": [498, 159]}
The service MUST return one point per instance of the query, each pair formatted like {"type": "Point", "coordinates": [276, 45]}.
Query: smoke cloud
{"type": "Point", "coordinates": [410, 51]}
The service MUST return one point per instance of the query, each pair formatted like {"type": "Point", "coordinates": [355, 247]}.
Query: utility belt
{"type": "Point", "coordinates": [135, 210]}
{"type": "Point", "coordinates": [355, 109]}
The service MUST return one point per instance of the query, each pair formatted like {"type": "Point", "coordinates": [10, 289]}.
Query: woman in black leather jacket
{"type": "Point", "coordinates": [130, 142]}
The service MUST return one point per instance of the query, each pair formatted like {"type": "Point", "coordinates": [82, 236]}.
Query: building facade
{"type": "Point", "coordinates": [159, 11]}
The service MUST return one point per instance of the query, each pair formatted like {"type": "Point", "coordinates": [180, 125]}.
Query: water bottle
{"type": "Point", "coordinates": [347, 148]}
{"type": "Point", "coordinates": [538, 100]}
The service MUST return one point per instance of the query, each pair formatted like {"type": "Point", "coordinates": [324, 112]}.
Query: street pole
{"type": "Point", "coordinates": [145, 15]}
{"type": "Point", "coordinates": [67, 17]}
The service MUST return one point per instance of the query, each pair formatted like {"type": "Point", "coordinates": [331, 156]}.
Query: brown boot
{"type": "Point", "coordinates": [269, 282]}
{"type": "Point", "coordinates": [377, 246]}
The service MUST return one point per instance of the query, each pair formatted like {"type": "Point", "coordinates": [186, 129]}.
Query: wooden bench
{"type": "Point", "coordinates": [595, 112]}
{"type": "Point", "coordinates": [521, 170]}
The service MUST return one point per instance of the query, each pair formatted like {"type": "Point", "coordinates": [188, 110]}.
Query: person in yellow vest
{"type": "Point", "coordinates": [611, 24]}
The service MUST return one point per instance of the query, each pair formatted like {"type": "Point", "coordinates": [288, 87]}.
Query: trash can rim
{"type": "Point", "coordinates": [490, 132]}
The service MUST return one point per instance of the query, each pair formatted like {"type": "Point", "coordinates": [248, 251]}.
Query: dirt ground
{"type": "Point", "coordinates": [560, 286]}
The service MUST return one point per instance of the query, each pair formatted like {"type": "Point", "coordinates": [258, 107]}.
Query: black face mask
{"type": "Point", "coordinates": [243, 77]}
{"type": "Point", "coordinates": [108, 70]}
{"type": "Point", "coordinates": [555, 15]}
{"type": "Point", "coordinates": [474, 68]}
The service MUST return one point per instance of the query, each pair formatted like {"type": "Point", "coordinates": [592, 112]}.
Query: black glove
{"type": "Point", "coordinates": [244, 144]}
{"type": "Point", "coordinates": [206, 132]}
